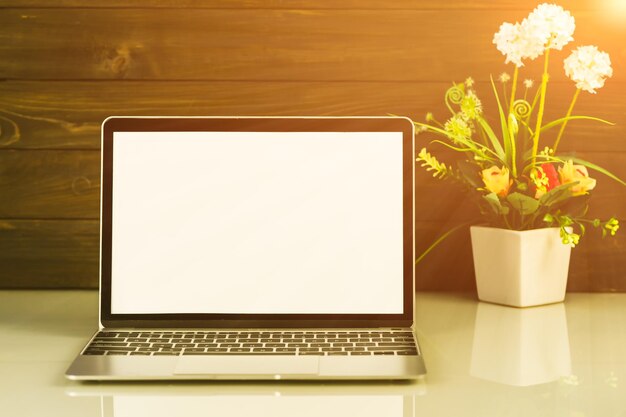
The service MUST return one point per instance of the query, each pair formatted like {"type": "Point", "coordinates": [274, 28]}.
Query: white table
{"type": "Point", "coordinates": [483, 360]}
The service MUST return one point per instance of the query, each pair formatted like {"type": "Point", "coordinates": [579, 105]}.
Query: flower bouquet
{"type": "Point", "coordinates": [513, 170]}
{"type": "Point", "coordinates": [515, 184]}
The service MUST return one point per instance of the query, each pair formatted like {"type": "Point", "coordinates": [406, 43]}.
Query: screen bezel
{"type": "Point", "coordinates": [255, 124]}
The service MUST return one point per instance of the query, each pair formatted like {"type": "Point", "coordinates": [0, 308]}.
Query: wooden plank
{"type": "Point", "coordinates": [64, 254]}
{"type": "Point", "coordinates": [67, 115]}
{"type": "Point", "coordinates": [523, 5]}
{"type": "Point", "coordinates": [270, 44]}
{"type": "Point", "coordinates": [49, 254]}
{"type": "Point", "coordinates": [66, 185]}
{"type": "Point", "coordinates": [49, 184]}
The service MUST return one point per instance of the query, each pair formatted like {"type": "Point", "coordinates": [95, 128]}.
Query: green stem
{"type": "Point", "coordinates": [569, 113]}
{"type": "Point", "coordinates": [439, 240]}
{"type": "Point", "coordinates": [542, 101]}
{"type": "Point", "coordinates": [513, 89]}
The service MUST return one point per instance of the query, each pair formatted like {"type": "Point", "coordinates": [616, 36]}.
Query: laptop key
{"type": "Point", "coordinates": [148, 349]}
{"type": "Point", "coordinates": [275, 345]}
{"type": "Point", "coordinates": [239, 350]}
{"type": "Point", "coordinates": [184, 345]}
{"type": "Point", "coordinates": [117, 353]}
{"type": "Point", "coordinates": [360, 353]}
{"type": "Point", "coordinates": [165, 353]}
{"type": "Point", "coordinates": [286, 349]}
{"type": "Point", "coordinates": [141, 353]}
{"type": "Point", "coordinates": [94, 352]}
{"type": "Point", "coordinates": [96, 343]}
{"type": "Point", "coordinates": [397, 344]}
{"type": "Point", "coordinates": [216, 350]}
{"type": "Point", "coordinates": [263, 350]}
{"type": "Point", "coordinates": [406, 352]}
{"type": "Point", "coordinates": [118, 349]}
{"type": "Point", "coordinates": [337, 353]}
{"type": "Point", "coordinates": [301, 345]}
{"type": "Point", "coordinates": [310, 353]}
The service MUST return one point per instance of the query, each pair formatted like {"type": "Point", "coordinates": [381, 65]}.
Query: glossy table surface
{"type": "Point", "coordinates": [566, 359]}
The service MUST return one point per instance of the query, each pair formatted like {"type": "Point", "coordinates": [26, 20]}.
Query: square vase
{"type": "Point", "coordinates": [520, 268]}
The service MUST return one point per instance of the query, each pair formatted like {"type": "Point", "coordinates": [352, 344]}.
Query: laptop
{"type": "Point", "coordinates": [255, 248]}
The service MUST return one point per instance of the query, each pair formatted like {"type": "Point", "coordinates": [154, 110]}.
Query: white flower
{"type": "Point", "coordinates": [504, 77]}
{"type": "Point", "coordinates": [588, 67]}
{"type": "Point", "coordinates": [552, 24]}
{"type": "Point", "coordinates": [469, 82]}
{"type": "Point", "coordinates": [519, 41]}
{"type": "Point", "coordinates": [528, 83]}
{"type": "Point", "coordinates": [507, 41]}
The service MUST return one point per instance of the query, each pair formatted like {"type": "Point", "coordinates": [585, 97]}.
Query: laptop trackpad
{"type": "Point", "coordinates": [247, 365]}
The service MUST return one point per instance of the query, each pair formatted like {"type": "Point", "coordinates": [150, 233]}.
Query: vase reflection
{"type": "Point", "coordinates": [520, 347]}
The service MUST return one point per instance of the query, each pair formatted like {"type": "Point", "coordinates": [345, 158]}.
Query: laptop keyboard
{"type": "Point", "coordinates": [158, 343]}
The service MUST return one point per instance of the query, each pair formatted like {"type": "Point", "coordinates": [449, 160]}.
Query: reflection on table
{"type": "Point", "coordinates": [236, 400]}
{"type": "Point", "coordinates": [520, 347]}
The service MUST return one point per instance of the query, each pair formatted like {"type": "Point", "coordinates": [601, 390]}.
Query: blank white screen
{"type": "Point", "coordinates": [257, 222]}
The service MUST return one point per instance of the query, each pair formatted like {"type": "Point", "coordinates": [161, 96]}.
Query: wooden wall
{"type": "Point", "coordinates": [64, 68]}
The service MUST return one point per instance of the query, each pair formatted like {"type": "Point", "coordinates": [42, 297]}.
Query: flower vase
{"type": "Point", "coordinates": [520, 268]}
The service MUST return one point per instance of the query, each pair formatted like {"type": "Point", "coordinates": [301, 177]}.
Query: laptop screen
{"type": "Point", "coordinates": [223, 223]}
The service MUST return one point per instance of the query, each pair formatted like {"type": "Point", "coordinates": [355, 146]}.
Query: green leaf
{"type": "Point", "coordinates": [503, 123]}
{"type": "Point", "coordinates": [494, 203]}
{"type": "Point", "coordinates": [493, 139]}
{"type": "Point", "coordinates": [562, 120]}
{"type": "Point", "coordinates": [470, 171]}
{"type": "Point", "coordinates": [557, 194]}
{"type": "Point", "coordinates": [596, 168]}
{"type": "Point", "coordinates": [439, 240]}
{"type": "Point", "coordinates": [523, 203]}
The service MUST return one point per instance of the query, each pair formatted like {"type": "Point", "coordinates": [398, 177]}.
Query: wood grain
{"type": "Point", "coordinates": [596, 264]}
{"type": "Point", "coordinates": [66, 66]}
{"type": "Point", "coordinates": [67, 115]}
{"type": "Point", "coordinates": [524, 5]}
{"type": "Point", "coordinates": [49, 184]}
{"type": "Point", "coordinates": [65, 185]}
{"type": "Point", "coordinates": [272, 44]}
{"type": "Point", "coordinates": [64, 254]}
{"type": "Point", "coordinates": [49, 254]}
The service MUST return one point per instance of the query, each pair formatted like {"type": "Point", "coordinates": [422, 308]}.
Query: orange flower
{"type": "Point", "coordinates": [497, 180]}
{"type": "Point", "coordinates": [576, 173]}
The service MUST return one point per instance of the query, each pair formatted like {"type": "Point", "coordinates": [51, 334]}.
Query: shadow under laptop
{"type": "Point", "coordinates": [520, 347]}
{"type": "Point", "coordinates": [276, 399]}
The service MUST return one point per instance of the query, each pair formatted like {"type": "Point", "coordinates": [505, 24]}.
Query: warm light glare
{"type": "Point", "coordinates": [617, 8]}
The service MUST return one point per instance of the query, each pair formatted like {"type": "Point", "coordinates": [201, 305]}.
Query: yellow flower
{"type": "Point", "coordinates": [497, 180]}
{"type": "Point", "coordinates": [576, 173]}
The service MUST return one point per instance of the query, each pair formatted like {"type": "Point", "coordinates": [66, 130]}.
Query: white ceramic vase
{"type": "Point", "coordinates": [520, 268]}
